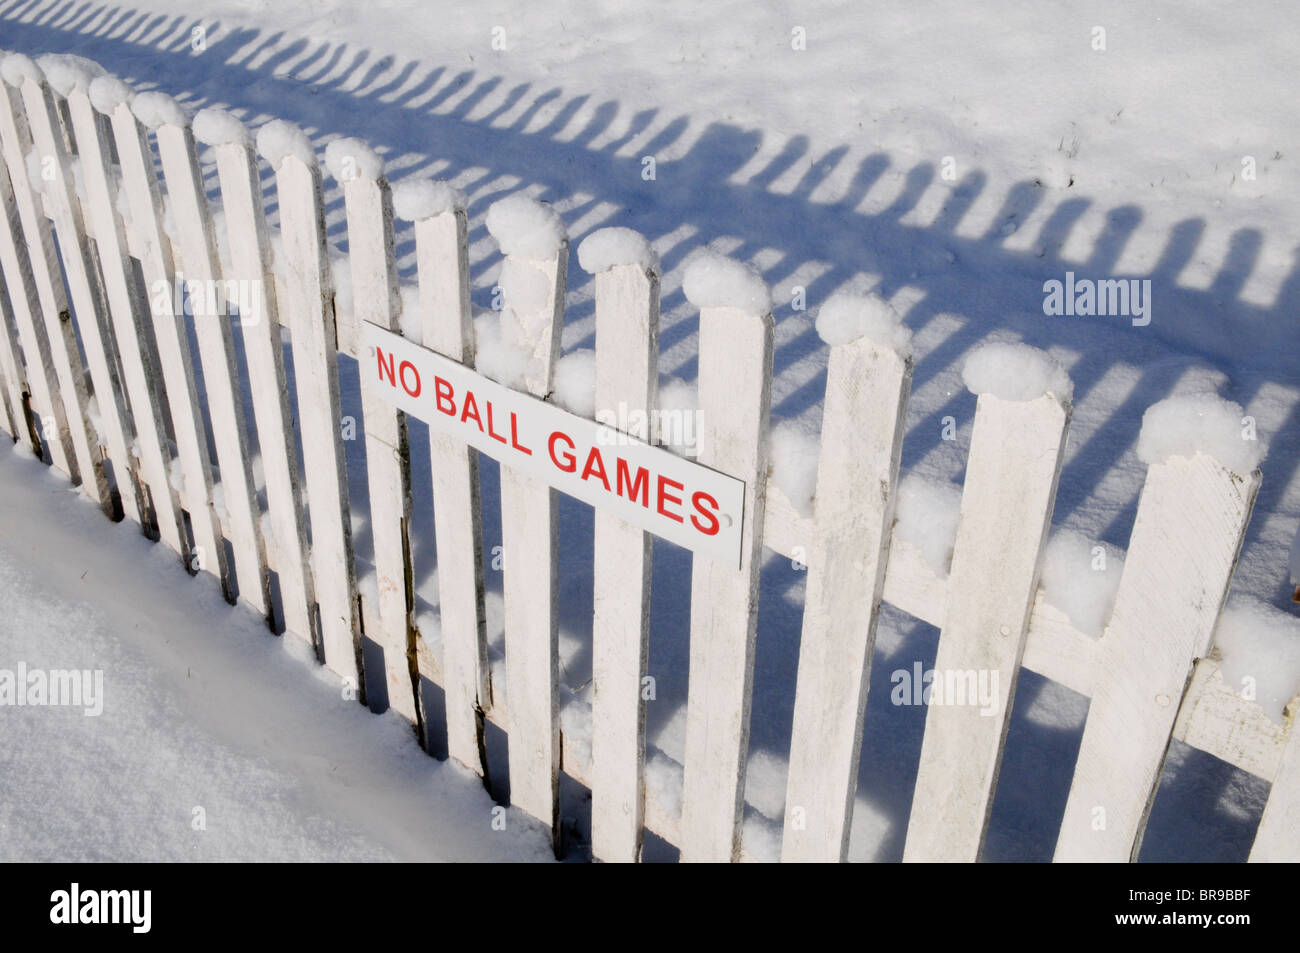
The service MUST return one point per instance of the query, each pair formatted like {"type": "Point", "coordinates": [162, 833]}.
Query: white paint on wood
{"type": "Point", "coordinates": [1215, 718]}
{"type": "Point", "coordinates": [307, 311]}
{"type": "Point", "coordinates": [627, 360]}
{"type": "Point", "coordinates": [1006, 509]}
{"type": "Point", "coordinates": [734, 398]}
{"type": "Point", "coordinates": [128, 309]}
{"type": "Point", "coordinates": [442, 253]}
{"type": "Point", "coordinates": [1190, 522]}
{"type": "Point", "coordinates": [81, 273]}
{"type": "Point", "coordinates": [1278, 837]}
{"type": "Point", "coordinates": [241, 200]}
{"type": "Point", "coordinates": [54, 338]}
{"type": "Point", "coordinates": [853, 517]}
{"type": "Point", "coordinates": [1057, 650]}
{"type": "Point", "coordinates": [388, 455]}
{"type": "Point", "coordinates": [528, 542]}
{"type": "Point", "coordinates": [144, 199]}
{"type": "Point", "coordinates": [13, 384]}
{"type": "Point", "coordinates": [197, 251]}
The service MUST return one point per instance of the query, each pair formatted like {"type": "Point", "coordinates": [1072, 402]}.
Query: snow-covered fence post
{"type": "Point", "coordinates": [868, 379]}
{"type": "Point", "coordinates": [388, 456]}
{"type": "Point", "coordinates": [627, 362]}
{"type": "Point", "coordinates": [144, 200]}
{"type": "Point", "coordinates": [128, 309]}
{"type": "Point", "coordinates": [29, 365]}
{"type": "Point", "coordinates": [1200, 487]}
{"type": "Point", "coordinates": [58, 337]}
{"type": "Point", "coordinates": [309, 316]}
{"type": "Point", "coordinates": [250, 256]}
{"type": "Point", "coordinates": [442, 259]}
{"type": "Point", "coordinates": [1021, 421]}
{"type": "Point", "coordinates": [533, 238]}
{"type": "Point", "coordinates": [735, 393]}
{"type": "Point", "coordinates": [196, 244]}
{"type": "Point", "coordinates": [81, 272]}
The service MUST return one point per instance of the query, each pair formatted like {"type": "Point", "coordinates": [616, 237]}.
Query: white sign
{"type": "Point", "coordinates": [662, 493]}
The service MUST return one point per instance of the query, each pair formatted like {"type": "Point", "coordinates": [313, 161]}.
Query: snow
{"type": "Point", "coordinates": [575, 383]}
{"type": "Point", "coordinates": [678, 402]}
{"type": "Point", "coordinates": [1080, 577]}
{"type": "Point", "coordinates": [419, 198]}
{"type": "Point", "coordinates": [926, 516]}
{"type": "Point", "coordinates": [108, 92]}
{"type": "Point", "coordinates": [16, 67]}
{"type": "Point", "coordinates": [1256, 641]}
{"type": "Point", "coordinates": [216, 127]}
{"type": "Point", "coordinates": [607, 247]}
{"type": "Point", "coordinates": [716, 281]}
{"type": "Point", "coordinates": [347, 157]}
{"type": "Point", "coordinates": [525, 227]}
{"type": "Point", "coordinates": [279, 138]}
{"type": "Point", "coordinates": [794, 449]}
{"type": "Point", "coordinates": [846, 317]}
{"type": "Point", "coordinates": [1199, 423]}
{"type": "Point", "coordinates": [66, 72]}
{"type": "Point", "coordinates": [497, 354]}
{"type": "Point", "coordinates": [409, 319]}
{"type": "Point", "coordinates": [1015, 372]}
{"type": "Point", "coordinates": [156, 109]}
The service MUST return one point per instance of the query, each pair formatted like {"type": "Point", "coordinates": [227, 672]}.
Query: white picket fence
{"type": "Point", "coordinates": [70, 250]}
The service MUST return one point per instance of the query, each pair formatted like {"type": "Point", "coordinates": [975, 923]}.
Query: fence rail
{"type": "Point", "coordinates": [158, 434]}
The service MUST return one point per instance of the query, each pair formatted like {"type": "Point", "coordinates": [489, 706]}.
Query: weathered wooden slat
{"type": "Point", "coordinates": [310, 317]}
{"type": "Point", "coordinates": [853, 517]}
{"type": "Point", "coordinates": [81, 273]}
{"type": "Point", "coordinates": [528, 541]}
{"type": "Point", "coordinates": [13, 385]}
{"type": "Point", "coordinates": [144, 199]}
{"type": "Point", "coordinates": [1190, 523]}
{"type": "Point", "coordinates": [1215, 718]}
{"type": "Point", "coordinates": [128, 311]}
{"type": "Point", "coordinates": [198, 253]}
{"type": "Point", "coordinates": [1278, 837]}
{"type": "Point", "coordinates": [388, 453]}
{"type": "Point", "coordinates": [66, 421]}
{"type": "Point", "coordinates": [29, 370]}
{"type": "Point", "coordinates": [627, 362]}
{"type": "Point", "coordinates": [250, 255]}
{"type": "Point", "coordinates": [1011, 478]}
{"type": "Point", "coordinates": [442, 251]}
{"type": "Point", "coordinates": [735, 397]}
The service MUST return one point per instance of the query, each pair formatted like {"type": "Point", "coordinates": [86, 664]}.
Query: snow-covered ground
{"type": "Point", "coordinates": [951, 157]}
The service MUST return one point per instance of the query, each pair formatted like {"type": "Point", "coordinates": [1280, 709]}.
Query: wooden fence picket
{"type": "Point", "coordinates": [310, 317]}
{"type": "Point", "coordinates": [1006, 508]}
{"type": "Point", "coordinates": [442, 252]}
{"type": "Point", "coordinates": [250, 254]}
{"type": "Point", "coordinates": [52, 342]}
{"type": "Point", "coordinates": [207, 552]}
{"type": "Point", "coordinates": [388, 454]}
{"type": "Point", "coordinates": [627, 375]}
{"type": "Point", "coordinates": [196, 248]}
{"type": "Point", "coordinates": [735, 382]}
{"type": "Point", "coordinates": [128, 311]}
{"type": "Point", "coordinates": [528, 544]}
{"type": "Point", "coordinates": [1278, 836]}
{"type": "Point", "coordinates": [853, 518]}
{"type": "Point", "coordinates": [85, 291]}
{"type": "Point", "coordinates": [1190, 524]}
{"type": "Point", "coordinates": [13, 385]}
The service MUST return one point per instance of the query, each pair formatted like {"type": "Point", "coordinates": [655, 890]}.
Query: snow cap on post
{"type": "Point", "coordinates": [66, 72]}
{"type": "Point", "coordinates": [278, 139]}
{"type": "Point", "coordinates": [607, 247]}
{"type": "Point", "coordinates": [347, 158]}
{"type": "Point", "coordinates": [526, 228]}
{"type": "Point", "coordinates": [16, 67]}
{"type": "Point", "coordinates": [108, 92]}
{"type": "Point", "coordinates": [415, 199]}
{"type": "Point", "coordinates": [156, 109]}
{"type": "Point", "coordinates": [1199, 423]}
{"type": "Point", "coordinates": [716, 281]}
{"type": "Point", "coordinates": [1015, 372]}
{"type": "Point", "coordinates": [216, 127]}
{"type": "Point", "coordinates": [846, 317]}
